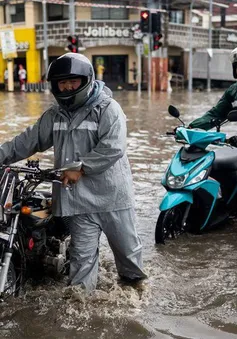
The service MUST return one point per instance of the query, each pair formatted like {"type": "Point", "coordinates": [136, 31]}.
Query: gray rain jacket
{"type": "Point", "coordinates": [96, 135]}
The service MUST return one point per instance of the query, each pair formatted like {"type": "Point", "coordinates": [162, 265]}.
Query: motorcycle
{"type": "Point", "coordinates": [201, 182]}
{"type": "Point", "coordinates": [29, 244]}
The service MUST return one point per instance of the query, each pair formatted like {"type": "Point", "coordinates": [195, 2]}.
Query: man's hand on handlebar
{"type": "Point", "coordinates": [71, 177]}
{"type": "Point", "coordinates": [232, 141]}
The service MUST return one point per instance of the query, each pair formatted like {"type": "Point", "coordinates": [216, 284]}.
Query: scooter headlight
{"type": "Point", "coordinates": [175, 181]}
{"type": "Point", "coordinates": [198, 177]}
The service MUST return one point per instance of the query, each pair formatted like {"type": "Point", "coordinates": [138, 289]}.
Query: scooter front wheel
{"type": "Point", "coordinates": [169, 224]}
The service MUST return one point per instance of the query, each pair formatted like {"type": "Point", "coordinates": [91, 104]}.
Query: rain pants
{"type": "Point", "coordinates": [96, 135]}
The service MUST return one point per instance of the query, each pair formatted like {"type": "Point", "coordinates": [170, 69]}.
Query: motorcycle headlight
{"type": "Point", "coordinates": [175, 181]}
{"type": "Point", "coordinates": [198, 177]}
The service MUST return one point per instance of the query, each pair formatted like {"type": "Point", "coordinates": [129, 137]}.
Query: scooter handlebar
{"type": "Point", "coordinates": [170, 133]}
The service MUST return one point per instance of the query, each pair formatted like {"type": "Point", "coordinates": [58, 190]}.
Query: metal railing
{"type": "Point", "coordinates": [41, 86]}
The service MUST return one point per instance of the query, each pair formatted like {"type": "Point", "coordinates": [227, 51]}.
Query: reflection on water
{"type": "Point", "coordinates": [192, 287]}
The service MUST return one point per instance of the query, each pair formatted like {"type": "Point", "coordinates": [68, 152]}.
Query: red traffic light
{"type": "Point", "coordinates": [156, 41]}
{"type": "Point", "coordinates": [144, 14]}
{"type": "Point", "coordinates": [145, 21]}
{"type": "Point", "coordinates": [74, 44]}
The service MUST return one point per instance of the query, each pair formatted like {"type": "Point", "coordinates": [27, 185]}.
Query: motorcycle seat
{"type": "Point", "coordinates": [225, 159]}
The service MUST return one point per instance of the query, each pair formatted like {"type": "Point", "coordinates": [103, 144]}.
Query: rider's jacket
{"type": "Point", "coordinates": [227, 103]}
{"type": "Point", "coordinates": [94, 134]}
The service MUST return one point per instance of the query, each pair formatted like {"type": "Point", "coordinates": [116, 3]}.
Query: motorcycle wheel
{"type": "Point", "coordinates": [169, 224]}
{"type": "Point", "coordinates": [10, 285]}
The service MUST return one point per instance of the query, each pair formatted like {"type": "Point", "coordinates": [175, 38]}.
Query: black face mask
{"type": "Point", "coordinates": [65, 91]}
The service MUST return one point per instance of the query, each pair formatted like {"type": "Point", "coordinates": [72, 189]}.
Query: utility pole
{"type": "Point", "coordinates": [149, 5]}
{"type": "Point", "coordinates": [45, 51]}
{"type": "Point", "coordinates": [190, 79]}
{"type": "Point", "coordinates": [10, 68]}
{"type": "Point", "coordinates": [72, 17]}
{"type": "Point", "coordinates": [209, 54]}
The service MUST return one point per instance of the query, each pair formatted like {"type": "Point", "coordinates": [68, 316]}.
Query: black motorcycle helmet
{"type": "Point", "coordinates": [71, 66]}
{"type": "Point", "coordinates": [233, 57]}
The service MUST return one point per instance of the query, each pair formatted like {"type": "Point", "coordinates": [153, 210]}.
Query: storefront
{"type": "Point", "coordinates": [27, 55]}
{"type": "Point", "coordinates": [111, 45]}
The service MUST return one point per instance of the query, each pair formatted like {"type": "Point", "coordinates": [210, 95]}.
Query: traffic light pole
{"type": "Point", "coordinates": [72, 17]}
{"type": "Point", "coordinates": [149, 66]}
{"type": "Point", "coordinates": [45, 51]}
{"type": "Point", "coordinates": [139, 69]}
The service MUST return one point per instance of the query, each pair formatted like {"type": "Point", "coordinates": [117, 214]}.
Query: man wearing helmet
{"type": "Point", "coordinates": [86, 125]}
{"type": "Point", "coordinates": [227, 103]}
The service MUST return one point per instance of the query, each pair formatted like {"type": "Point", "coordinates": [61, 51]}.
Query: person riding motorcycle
{"type": "Point", "coordinates": [227, 103]}
{"type": "Point", "coordinates": [87, 125]}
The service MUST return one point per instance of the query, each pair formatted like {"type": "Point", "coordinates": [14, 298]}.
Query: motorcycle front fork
{"type": "Point", "coordinates": [4, 265]}
{"type": "Point", "coordinates": [186, 213]}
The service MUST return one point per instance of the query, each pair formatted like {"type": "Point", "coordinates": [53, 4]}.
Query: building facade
{"type": "Point", "coordinates": [105, 37]}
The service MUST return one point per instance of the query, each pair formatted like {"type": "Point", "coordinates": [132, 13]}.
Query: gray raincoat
{"type": "Point", "coordinates": [94, 134]}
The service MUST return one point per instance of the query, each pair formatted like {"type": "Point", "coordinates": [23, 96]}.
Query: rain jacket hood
{"type": "Point", "coordinates": [99, 86]}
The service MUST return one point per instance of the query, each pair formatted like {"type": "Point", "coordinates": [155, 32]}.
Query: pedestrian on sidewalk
{"type": "Point", "coordinates": [22, 77]}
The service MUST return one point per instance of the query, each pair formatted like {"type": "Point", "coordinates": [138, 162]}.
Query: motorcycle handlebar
{"type": "Point", "coordinates": [47, 174]}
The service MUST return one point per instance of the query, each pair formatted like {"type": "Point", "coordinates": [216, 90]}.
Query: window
{"type": "Point", "coordinates": [177, 17]}
{"type": "Point", "coordinates": [57, 12]}
{"type": "Point", "coordinates": [17, 13]}
{"type": "Point", "coordinates": [99, 13]}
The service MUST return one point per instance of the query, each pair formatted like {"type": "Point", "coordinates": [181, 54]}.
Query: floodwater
{"type": "Point", "coordinates": [191, 292]}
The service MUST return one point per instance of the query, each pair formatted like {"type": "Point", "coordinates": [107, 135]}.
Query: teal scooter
{"type": "Point", "coordinates": [201, 182]}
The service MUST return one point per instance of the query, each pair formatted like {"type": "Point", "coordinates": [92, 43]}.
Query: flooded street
{"type": "Point", "coordinates": [191, 292]}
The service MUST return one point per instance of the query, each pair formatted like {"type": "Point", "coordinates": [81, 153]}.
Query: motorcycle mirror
{"type": "Point", "coordinates": [173, 111]}
{"type": "Point", "coordinates": [73, 166]}
{"type": "Point", "coordinates": [232, 115]}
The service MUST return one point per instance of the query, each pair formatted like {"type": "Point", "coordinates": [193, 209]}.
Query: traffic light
{"type": "Point", "coordinates": [155, 22]}
{"type": "Point", "coordinates": [145, 21]}
{"type": "Point", "coordinates": [156, 41]}
{"type": "Point", "coordinates": [73, 46]}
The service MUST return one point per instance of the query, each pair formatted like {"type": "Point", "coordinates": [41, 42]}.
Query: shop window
{"type": "Point", "coordinates": [177, 17]}
{"type": "Point", "coordinates": [17, 13]}
{"type": "Point", "coordinates": [57, 12]}
{"type": "Point", "coordinates": [99, 13]}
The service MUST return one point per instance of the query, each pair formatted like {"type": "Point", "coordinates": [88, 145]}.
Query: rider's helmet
{"type": "Point", "coordinates": [233, 58]}
{"type": "Point", "coordinates": [71, 66]}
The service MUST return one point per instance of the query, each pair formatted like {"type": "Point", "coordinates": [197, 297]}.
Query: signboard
{"type": "Point", "coordinates": [232, 37]}
{"type": "Point", "coordinates": [106, 32]}
{"type": "Point", "coordinates": [8, 42]}
{"type": "Point", "coordinates": [21, 46]}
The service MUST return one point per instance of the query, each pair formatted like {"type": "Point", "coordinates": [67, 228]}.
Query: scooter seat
{"type": "Point", "coordinates": [225, 159]}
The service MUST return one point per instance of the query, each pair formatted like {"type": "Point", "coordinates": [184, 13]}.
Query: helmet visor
{"type": "Point", "coordinates": [65, 67]}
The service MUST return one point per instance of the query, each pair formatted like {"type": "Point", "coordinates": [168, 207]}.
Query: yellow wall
{"type": "Point", "coordinates": [2, 68]}
{"type": "Point", "coordinates": [32, 55]}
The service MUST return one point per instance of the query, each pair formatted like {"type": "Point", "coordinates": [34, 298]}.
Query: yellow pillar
{"type": "Point", "coordinates": [10, 75]}
{"type": "Point", "coordinates": [33, 66]}
{"type": "Point", "coordinates": [2, 68]}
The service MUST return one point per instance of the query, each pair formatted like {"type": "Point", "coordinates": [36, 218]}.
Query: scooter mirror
{"type": "Point", "coordinates": [73, 166]}
{"type": "Point", "coordinates": [232, 115]}
{"type": "Point", "coordinates": [173, 111]}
